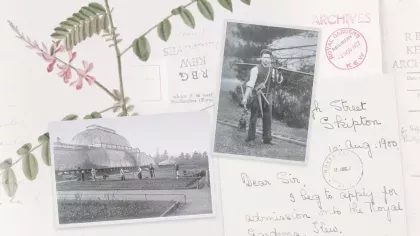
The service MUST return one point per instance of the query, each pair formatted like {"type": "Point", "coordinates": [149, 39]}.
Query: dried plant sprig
{"type": "Point", "coordinates": [51, 56]}
{"type": "Point", "coordinates": [93, 19]}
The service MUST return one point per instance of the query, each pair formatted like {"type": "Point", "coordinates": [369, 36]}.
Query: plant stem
{"type": "Point", "coordinates": [155, 26]}
{"type": "Point", "coordinates": [106, 90]}
{"type": "Point", "coordinates": [33, 149]}
{"type": "Point", "coordinates": [109, 108]}
{"type": "Point", "coordinates": [118, 54]}
{"type": "Point", "coordinates": [31, 44]}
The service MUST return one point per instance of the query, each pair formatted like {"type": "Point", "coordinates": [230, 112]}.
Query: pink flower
{"type": "Point", "coordinates": [66, 69]}
{"type": "Point", "coordinates": [50, 58]}
{"type": "Point", "coordinates": [83, 75]}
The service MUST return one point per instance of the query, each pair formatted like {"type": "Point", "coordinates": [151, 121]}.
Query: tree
{"type": "Point", "coordinates": [165, 155]}
{"type": "Point", "coordinates": [187, 156]}
{"type": "Point", "coordinates": [182, 156]}
{"type": "Point", "coordinates": [245, 42]}
{"type": "Point", "coordinates": [157, 155]}
{"type": "Point", "coordinates": [195, 156]}
{"type": "Point", "coordinates": [205, 156]}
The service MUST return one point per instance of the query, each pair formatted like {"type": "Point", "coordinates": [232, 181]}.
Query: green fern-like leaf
{"type": "Point", "coordinates": [90, 20]}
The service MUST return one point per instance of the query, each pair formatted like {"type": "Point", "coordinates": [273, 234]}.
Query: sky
{"type": "Point", "coordinates": [175, 132]}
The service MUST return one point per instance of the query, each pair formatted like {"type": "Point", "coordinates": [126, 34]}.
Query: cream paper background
{"type": "Point", "coordinates": [30, 97]}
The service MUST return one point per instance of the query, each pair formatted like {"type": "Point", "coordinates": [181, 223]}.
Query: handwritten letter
{"type": "Point", "coordinates": [352, 183]}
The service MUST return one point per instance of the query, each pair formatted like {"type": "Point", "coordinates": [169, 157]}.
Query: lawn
{"type": "Point", "coordinates": [231, 141]}
{"type": "Point", "coordinates": [229, 110]}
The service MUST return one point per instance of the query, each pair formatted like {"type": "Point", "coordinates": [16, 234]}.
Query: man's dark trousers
{"type": "Point", "coordinates": [267, 117]}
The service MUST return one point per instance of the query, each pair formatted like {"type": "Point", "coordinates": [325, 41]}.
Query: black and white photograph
{"type": "Point", "coordinates": [140, 168]}
{"type": "Point", "coordinates": [267, 76]}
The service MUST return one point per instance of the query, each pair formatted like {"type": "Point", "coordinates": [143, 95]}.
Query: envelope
{"type": "Point", "coordinates": [352, 183]}
{"type": "Point", "coordinates": [400, 37]}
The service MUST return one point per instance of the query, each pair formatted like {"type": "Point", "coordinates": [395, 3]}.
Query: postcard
{"type": "Point", "coordinates": [352, 183]}
{"type": "Point", "coordinates": [133, 169]}
{"type": "Point", "coordinates": [264, 113]}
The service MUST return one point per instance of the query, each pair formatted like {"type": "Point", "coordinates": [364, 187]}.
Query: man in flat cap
{"type": "Point", "coordinates": [261, 87]}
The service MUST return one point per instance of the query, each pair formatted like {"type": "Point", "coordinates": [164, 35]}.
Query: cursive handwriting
{"type": "Point", "coordinates": [334, 211]}
{"type": "Point", "coordinates": [274, 232]}
{"type": "Point", "coordinates": [179, 49]}
{"type": "Point", "coordinates": [315, 209]}
{"type": "Point", "coordinates": [411, 134]}
{"type": "Point", "coordinates": [380, 144]}
{"type": "Point", "coordinates": [11, 123]}
{"type": "Point", "coordinates": [349, 145]}
{"type": "Point", "coordinates": [287, 178]}
{"type": "Point", "coordinates": [314, 197]}
{"type": "Point", "coordinates": [275, 217]}
{"type": "Point", "coordinates": [321, 227]}
{"type": "Point", "coordinates": [354, 208]}
{"type": "Point", "coordinates": [315, 109]}
{"type": "Point", "coordinates": [354, 195]}
{"type": "Point", "coordinates": [253, 183]}
{"type": "Point", "coordinates": [374, 208]}
{"type": "Point", "coordinates": [388, 192]}
{"type": "Point", "coordinates": [342, 105]}
{"type": "Point", "coordinates": [343, 123]}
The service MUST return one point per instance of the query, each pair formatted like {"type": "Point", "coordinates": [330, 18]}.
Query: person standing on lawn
{"type": "Point", "coordinates": [139, 175]}
{"type": "Point", "coordinates": [122, 174]}
{"type": "Point", "coordinates": [152, 171]}
{"type": "Point", "coordinates": [93, 172]}
{"type": "Point", "coordinates": [177, 170]}
{"type": "Point", "coordinates": [261, 87]}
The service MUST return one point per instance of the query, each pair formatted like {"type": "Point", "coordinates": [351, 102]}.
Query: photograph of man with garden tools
{"type": "Point", "coordinates": [265, 91]}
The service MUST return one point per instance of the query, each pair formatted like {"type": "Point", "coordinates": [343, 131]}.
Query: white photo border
{"type": "Point", "coordinates": [218, 88]}
{"type": "Point", "coordinates": [213, 172]}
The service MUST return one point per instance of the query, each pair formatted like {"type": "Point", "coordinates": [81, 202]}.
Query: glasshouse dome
{"type": "Point", "coordinates": [96, 134]}
{"type": "Point", "coordinates": [98, 147]}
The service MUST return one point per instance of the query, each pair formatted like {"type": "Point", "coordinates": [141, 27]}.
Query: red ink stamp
{"type": "Point", "coordinates": [346, 48]}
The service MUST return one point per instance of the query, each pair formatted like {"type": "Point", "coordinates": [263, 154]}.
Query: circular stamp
{"type": "Point", "coordinates": [342, 169]}
{"type": "Point", "coordinates": [346, 48]}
